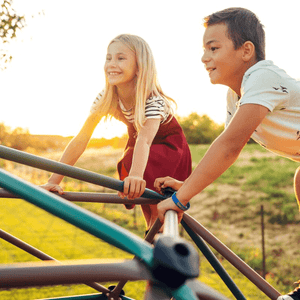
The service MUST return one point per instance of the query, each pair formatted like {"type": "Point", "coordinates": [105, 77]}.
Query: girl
{"type": "Point", "coordinates": [156, 146]}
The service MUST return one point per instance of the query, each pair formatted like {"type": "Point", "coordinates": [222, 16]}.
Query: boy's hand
{"type": "Point", "coordinates": [134, 187]}
{"type": "Point", "coordinates": [166, 205]}
{"type": "Point", "coordinates": [52, 187]}
{"type": "Point", "coordinates": [168, 181]}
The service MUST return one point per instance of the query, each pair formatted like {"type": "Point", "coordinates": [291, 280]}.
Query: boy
{"type": "Point", "coordinates": [263, 102]}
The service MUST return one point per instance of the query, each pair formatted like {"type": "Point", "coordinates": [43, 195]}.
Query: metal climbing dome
{"type": "Point", "coordinates": [170, 263]}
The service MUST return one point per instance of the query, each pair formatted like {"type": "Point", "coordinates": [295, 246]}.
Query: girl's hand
{"type": "Point", "coordinates": [168, 181]}
{"type": "Point", "coordinates": [134, 187]}
{"type": "Point", "coordinates": [52, 187]}
{"type": "Point", "coordinates": [166, 205]}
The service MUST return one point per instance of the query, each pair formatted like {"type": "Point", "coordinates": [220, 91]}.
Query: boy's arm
{"type": "Point", "coordinates": [134, 185]}
{"type": "Point", "coordinates": [220, 156]}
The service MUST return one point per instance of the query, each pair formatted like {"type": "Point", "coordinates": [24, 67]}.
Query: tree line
{"type": "Point", "coordinates": [197, 129]}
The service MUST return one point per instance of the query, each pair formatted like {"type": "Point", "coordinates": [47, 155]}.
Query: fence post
{"type": "Point", "coordinates": [263, 241]}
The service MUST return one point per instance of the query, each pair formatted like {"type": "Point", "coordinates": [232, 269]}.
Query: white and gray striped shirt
{"type": "Point", "coordinates": [155, 108]}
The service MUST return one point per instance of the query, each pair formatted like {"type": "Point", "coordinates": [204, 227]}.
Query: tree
{"type": "Point", "coordinates": [200, 129]}
{"type": "Point", "coordinates": [10, 24]}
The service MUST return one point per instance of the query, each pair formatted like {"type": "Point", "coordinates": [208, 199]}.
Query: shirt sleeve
{"type": "Point", "coordinates": [264, 87]}
{"type": "Point", "coordinates": [155, 108]}
{"type": "Point", "coordinates": [96, 102]}
{"type": "Point", "coordinates": [232, 101]}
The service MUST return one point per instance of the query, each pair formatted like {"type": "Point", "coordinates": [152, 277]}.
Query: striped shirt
{"type": "Point", "coordinates": [155, 108]}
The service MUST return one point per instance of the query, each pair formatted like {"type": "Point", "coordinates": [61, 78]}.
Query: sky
{"type": "Point", "coordinates": [58, 58]}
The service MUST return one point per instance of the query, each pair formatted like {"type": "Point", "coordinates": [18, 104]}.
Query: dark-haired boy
{"type": "Point", "coordinates": [263, 102]}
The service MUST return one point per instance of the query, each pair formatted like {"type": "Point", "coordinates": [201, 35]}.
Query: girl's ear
{"type": "Point", "coordinates": [248, 51]}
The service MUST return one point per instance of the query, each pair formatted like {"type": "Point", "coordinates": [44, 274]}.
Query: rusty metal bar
{"type": "Point", "coordinates": [238, 263]}
{"type": "Point", "coordinates": [90, 197]}
{"type": "Point", "coordinates": [41, 255]}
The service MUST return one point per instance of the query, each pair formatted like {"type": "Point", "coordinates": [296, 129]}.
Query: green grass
{"type": "Point", "coordinates": [271, 176]}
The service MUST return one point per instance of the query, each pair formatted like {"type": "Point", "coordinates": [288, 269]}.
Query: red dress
{"type": "Point", "coordinates": [169, 153]}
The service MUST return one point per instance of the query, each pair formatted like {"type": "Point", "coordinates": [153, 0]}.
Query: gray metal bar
{"type": "Point", "coordinates": [67, 170]}
{"type": "Point", "coordinates": [203, 291]}
{"type": "Point", "coordinates": [24, 246]}
{"type": "Point", "coordinates": [214, 262]}
{"type": "Point", "coordinates": [87, 297]}
{"type": "Point", "coordinates": [54, 273]}
{"type": "Point", "coordinates": [43, 256]}
{"type": "Point", "coordinates": [149, 238]}
{"type": "Point", "coordinates": [91, 197]}
{"type": "Point", "coordinates": [239, 264]}
{"type": "Point", "coordinates": [171, 224]}
{"type": "Point", "coordinates": [157, 292]}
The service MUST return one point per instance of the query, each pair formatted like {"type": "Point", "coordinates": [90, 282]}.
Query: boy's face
{"type": "Point", "coordinates": [223, 63]}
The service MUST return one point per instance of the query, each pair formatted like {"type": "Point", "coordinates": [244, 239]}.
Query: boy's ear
{"type": "Point", "coordinates": [248, 51]}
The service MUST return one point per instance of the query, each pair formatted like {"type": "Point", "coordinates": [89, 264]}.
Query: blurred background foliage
{"type": "Point", "coordinates": [10, 24]}
{"type": "Point", "coordinates": [197, 129]}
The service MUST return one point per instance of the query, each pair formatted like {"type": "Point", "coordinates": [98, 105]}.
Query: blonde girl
{"type": "Point", "coordinates": [156, 145]}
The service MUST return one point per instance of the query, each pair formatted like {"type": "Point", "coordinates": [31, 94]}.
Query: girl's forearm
{"type": "Point", "coordinates": [216, 161]}
{"type": "Point", "coordinates": [70, 156]}
{"type": "Point", "coordinates": [140, 159]}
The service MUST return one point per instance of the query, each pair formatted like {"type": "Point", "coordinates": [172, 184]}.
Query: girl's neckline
{"type": "Point", "coordinates": [123, 108]}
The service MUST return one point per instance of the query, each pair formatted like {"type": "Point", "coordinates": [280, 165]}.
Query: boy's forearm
{"type": "Point", "coordinates": [215, 162]}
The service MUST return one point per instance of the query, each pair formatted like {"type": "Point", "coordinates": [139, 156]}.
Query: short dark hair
{"type": "Point", "coordinates": [242, 25]}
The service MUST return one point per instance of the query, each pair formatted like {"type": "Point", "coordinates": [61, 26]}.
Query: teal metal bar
{"type": "Point", "coordinates": [67, 170]}
{"type": "Point", "coordinates": [183, 293]}
{"type": "Point", "coordinates": [81, 218]}
{"type": "Point", "coordinates": [87, 221]}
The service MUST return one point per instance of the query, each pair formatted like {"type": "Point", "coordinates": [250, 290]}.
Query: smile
{"type": "Point", "coordinates": [113, 73]}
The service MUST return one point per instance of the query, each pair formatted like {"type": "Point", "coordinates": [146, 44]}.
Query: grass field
{"type": "Point", "coordinates": [229, 208]}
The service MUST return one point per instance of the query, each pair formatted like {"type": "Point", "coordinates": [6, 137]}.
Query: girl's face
{"type": "Point", "coordinates": [120, 65]}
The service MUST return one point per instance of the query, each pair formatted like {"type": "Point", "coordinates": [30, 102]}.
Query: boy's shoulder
{"type": "Point", "coordinates": [265, 73]}
{"type": "Point", "coordinates": [266, 67]}
{"type": "Point", "coordinates": [263, 66]}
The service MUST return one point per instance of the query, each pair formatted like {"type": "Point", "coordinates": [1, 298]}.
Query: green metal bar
{"type": "Point", "coordinates": [183, 293]}
{"type": "Point", "coordinates": [67, 170]}
{"type": "Point", "coordinates": [81, 218]}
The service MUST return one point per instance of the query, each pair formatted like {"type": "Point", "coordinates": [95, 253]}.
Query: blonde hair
{"type": "Point", "coordinates": [146, 85]}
